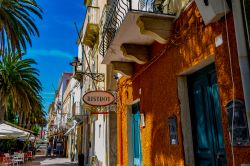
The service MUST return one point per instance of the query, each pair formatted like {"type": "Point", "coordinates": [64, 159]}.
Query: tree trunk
{"type": "Point", "coordinates": [23, 120]}
{"type": "Point", "coordinates": [6, 114]}
{"type": "Point", "coordinates": [2, 112]}
{"type": "Point", "coordinates": [20, 118]}
{"type": "Point", "coordinates": [28, 121]}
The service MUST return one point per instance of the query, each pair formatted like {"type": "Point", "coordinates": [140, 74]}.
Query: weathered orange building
{"type": "Point", "coordinates": [181, 89]}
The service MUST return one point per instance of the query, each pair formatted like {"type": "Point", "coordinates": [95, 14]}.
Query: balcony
{"type": "Point", "coordinates": [87, 2]}
{"type": "Point", "coordinates": [92, 27]}
{"type": "Point", "coordinates": [131, 26]}
{"type": "Point", "coordinates": [77, 112]}
{"type": "Point", "coordinates": [76, 109]}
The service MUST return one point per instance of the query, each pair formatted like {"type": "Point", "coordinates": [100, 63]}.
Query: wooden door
{"type": "Point", "coordinates": [137, 155]}
{"type": "Point", "coordinates": [206, 122]}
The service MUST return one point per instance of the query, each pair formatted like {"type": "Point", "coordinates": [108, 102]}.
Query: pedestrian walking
{"type": "Point", "coordinates": [48, 149]}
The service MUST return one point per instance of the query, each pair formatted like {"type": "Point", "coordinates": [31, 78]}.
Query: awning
{"type": "Point", "coordinates": [11, 131]}
{"type": "Point", "coordinates": [72, 128]}
{"type": "Point", "coordinates": [30, 138]}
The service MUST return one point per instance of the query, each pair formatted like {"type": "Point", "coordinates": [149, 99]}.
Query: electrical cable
{"type": "Point", "coordinates": [85, 56]}
{"type": "Point", "coordinates": [246, 22]}
{"type": "Point", "coordinates": [233, 86]}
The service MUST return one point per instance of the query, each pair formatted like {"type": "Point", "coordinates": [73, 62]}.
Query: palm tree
{"type": "Point", "coordinates": [34, 117]}
{"type": "Point", "coordinates": [18, 83]}
{"type": "Point", "coordinates": [25, 119]}
{"type": "Point", "coordinates": [38, 117]}
{"type": "Point", "coordinates": [17, 24]}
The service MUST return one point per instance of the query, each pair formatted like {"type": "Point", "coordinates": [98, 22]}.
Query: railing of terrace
{"type": "Point", "coordinates": [117, 11]}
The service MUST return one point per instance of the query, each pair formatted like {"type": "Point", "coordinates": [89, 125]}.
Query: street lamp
{"type": "Point", "coordinates": [98, 77]}
{"type": "Point", "coordinates": [75, 62]}
{"type": "Point", "coordinates": [77, 74]}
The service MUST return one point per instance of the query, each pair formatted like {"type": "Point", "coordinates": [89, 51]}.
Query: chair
{"type": "Point", "coordinates": [15, 159]}
{"type": "Point", "coordinates": [6, 155]}
{"type": "Point", "coordinates": [26, 156]}
{"type": "Point", "coordinates": [6, 159]}
{"type": "Point", "coordinates": [21, 157]}
{"type": "Point", "coordinates": [29, 155]}
{"type": "Point", "coordinates": [1, 160]}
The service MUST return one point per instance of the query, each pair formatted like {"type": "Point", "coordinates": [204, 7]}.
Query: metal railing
{"type": "Point", "coordinates": [117, 11]}
{"type": "Point", "coordinates": [103, 18]}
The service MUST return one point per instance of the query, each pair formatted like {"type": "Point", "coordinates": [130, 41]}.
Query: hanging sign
{"type": "Point", "coordinates": [98, 98]}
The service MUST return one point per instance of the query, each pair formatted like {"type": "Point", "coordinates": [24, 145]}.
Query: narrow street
{"type": "Point", "coordinates": [125, 82]}
{"type": "Point", "coordinates": [52, 161]}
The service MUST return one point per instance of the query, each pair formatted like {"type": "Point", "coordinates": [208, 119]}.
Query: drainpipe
{"type": "Point", "coordinates": [242, 54]}
{"type": "Point", "coordinates": [121, 140]}
{"type": "Point", "coordinates": [107, 133]}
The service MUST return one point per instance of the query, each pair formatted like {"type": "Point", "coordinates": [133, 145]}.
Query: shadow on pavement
{"type": "Point", "coordinates": [50, 161]}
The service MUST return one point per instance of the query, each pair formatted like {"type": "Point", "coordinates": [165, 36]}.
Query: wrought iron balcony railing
{"type": "Point", "coordinates": [117, 11]}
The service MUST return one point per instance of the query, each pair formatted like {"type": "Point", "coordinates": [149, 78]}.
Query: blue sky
{"type": "Point", "coordinates": [56, 46]}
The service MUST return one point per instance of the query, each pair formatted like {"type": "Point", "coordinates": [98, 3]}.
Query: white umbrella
{"type": "Point", "coordinates": [10, 131]}
{"type": "Point", "coordinates": [30, 138]}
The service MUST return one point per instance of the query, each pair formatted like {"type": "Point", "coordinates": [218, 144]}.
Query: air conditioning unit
{"type": "Point", "coordinates": [212, 10]}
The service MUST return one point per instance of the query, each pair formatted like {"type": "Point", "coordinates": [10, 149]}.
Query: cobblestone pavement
{"type": "Point", "coordinates": [50, 161]}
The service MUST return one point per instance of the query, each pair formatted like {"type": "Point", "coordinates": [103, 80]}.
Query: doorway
{"type": "Point", "coordinates": [207, 132]}
{"type": "Point", "coordinates": [136, 136]}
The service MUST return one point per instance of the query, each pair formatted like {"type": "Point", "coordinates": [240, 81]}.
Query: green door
{"type": "Point", "coordinates": [205, 112]}
{"type": "Point", "coordinates": [137, 155]}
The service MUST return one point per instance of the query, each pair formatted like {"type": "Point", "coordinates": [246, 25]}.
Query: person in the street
{"type": "Point", "coordinates": [48, 149]}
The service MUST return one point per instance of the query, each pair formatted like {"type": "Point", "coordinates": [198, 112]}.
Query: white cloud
{"type": "Point", "coordinates": [33, 53]}
{"type": "Point", "coordinates": [48, 93]}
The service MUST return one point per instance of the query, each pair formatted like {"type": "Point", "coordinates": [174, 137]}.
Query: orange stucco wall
{"type": "Point", "coordinates": [124, 97]}
{"type": "Point", "coordinates": [190, 44]}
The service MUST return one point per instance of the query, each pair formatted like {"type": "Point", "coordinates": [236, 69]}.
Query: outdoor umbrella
{"type": "Point", "coordinates": [25, 138]}
{"type": "Point", "coordinates": [10, 131]}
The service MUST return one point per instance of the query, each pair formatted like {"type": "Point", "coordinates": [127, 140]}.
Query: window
{"type": "Point", "coordinates": [100, 126]}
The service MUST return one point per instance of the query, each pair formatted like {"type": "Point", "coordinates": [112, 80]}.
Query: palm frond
{"type": "Point", "coordinates": [17, 24]}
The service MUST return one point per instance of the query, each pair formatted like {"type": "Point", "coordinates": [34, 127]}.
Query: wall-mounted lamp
{"type": "Point", "coordinates": [115, 77]}
{"type": "Point", "coordinates": [99, 77]}
{"type": "Point", "coordinates": [75, 63]}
